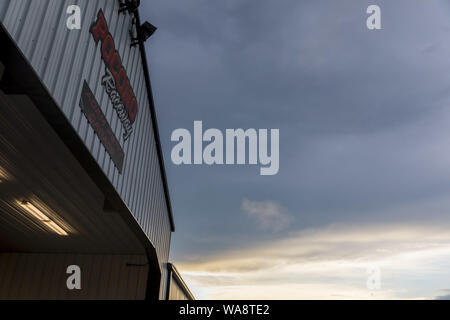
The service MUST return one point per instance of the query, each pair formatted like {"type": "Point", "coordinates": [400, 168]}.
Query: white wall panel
{"type": "Point", "coordinates": [64, 59]}
{"type": "Point", "coordinates": [43, 276]}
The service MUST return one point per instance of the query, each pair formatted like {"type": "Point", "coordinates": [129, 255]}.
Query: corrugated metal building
{"type": "Point", "coordinates": [176, 287]}
{"type": "Point", "coordinates": [82, 178]}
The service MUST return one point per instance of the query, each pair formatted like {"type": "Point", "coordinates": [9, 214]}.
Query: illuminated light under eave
{"type": "Point", "coordinates": [39, 215]}
{"type": "Point", "coordinates": [3, 176]}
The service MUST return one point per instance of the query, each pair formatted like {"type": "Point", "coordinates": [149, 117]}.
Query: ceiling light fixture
{"type": "Point", "coordinates": [39, 215]}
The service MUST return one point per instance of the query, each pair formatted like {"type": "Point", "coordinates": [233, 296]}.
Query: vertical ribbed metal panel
{"type": "Point", "coordinates": [64, 59]}
{"type": "Point", "coordinates": [176, 292]}
{"type": "Point", "coordinates": [178, 289]}
{"type": "Point", "coordinates": [43, 276]}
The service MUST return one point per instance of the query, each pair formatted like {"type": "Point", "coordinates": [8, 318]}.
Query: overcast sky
{"type": "Point", "coordinates": [364, 119]}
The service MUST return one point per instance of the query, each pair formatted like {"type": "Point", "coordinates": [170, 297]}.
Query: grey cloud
{"type": "Point", "coordinates": [268, 214]}
{"type": "Point", "coordinates": [362, 115]}
{"type": "Point", "coordinates": [445, 296]}
{"type": "Point", "coordinates": [329, 263]}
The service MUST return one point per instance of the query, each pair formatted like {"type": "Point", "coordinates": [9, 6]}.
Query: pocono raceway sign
{"type": "Point", "coordinates": [117, 86]}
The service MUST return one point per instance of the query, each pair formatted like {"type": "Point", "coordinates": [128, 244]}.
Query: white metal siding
{"type": "Point", "coordinates": [43, 276]}
{"type": "Point", "coordinates": [64, 59]}
{"type": "Point", "coordinates": [176, 292]}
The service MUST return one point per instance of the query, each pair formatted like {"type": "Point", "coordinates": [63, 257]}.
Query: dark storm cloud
{"type": "Point", "coordinates": [317, 61]}
{"type": "Point", "coordinates": [362, 114]}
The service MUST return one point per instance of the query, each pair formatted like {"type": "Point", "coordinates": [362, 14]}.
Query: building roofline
{"type": "Point", "coordinates": [155, 124]}
{"type": "Point", "coordinates": [25, 81]}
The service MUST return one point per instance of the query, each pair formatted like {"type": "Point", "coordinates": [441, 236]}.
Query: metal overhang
{"type": "Point", "coordinates": [24, 81]}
